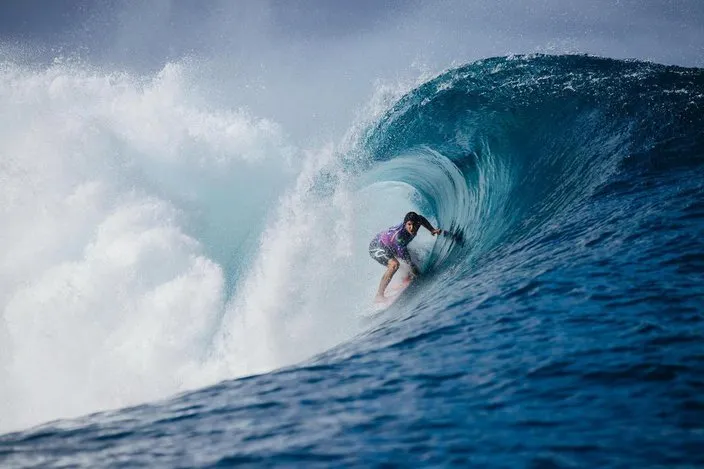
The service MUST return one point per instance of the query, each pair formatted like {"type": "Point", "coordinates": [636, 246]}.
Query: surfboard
{"type": "Point", "coordinates": [392, 294]}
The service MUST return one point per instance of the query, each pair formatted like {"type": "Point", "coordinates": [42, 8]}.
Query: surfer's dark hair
{"type": "Point", "coordinates": [412, 217]}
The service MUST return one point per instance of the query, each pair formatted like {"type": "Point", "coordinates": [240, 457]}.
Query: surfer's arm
{"type": "Point", "coordinates": [426, 224]}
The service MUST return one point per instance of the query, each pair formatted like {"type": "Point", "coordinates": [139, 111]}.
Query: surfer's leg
{"type": "Point", "coordinates": [391, 269]}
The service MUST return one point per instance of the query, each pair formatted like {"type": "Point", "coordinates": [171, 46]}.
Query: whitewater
{"type": "Point", "coordinates": [183, 283]}
{"type": "Point", "coordinates": [154, 244]}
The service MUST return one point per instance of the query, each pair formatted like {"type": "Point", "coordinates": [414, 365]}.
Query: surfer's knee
{"type": "Point", "coordinates": [393, 265]}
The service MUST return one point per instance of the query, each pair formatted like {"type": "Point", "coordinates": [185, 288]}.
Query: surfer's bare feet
{"type": "Point", "coordinates": [380, 299]}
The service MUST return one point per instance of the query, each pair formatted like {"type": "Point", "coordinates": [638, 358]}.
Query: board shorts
{"type": "Point", "coordinates": [380, 253]}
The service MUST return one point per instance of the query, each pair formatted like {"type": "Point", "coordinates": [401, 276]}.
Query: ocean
{"type": "Point", "coordinates": [183, 287]}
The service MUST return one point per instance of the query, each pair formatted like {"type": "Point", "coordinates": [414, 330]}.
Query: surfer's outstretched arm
{"type": "Point", "coordinates": [426, 224]}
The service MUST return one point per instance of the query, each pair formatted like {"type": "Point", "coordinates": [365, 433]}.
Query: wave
{"type": "Point", "coordinates": [532, 137]}
{"type": "Point", "coordinates": [158, 242]}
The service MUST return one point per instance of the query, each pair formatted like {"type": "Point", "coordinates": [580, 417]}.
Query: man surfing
{"type": "Point", "coordinates": [390, 245]}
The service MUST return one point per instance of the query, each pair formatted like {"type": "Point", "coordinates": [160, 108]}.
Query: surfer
{"type": "Point", "coordinates": [390, 245]}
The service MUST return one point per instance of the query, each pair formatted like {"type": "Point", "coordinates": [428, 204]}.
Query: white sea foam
{"type": "Point", "coordinates": [155, 242]}
{"type": "Point", "coordinates": [112, 188]}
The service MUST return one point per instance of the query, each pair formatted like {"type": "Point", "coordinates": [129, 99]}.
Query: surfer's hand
{"type": "Point", "coordinates": [436, 231]}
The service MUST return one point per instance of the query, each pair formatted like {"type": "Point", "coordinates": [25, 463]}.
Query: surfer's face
{"type": "Point", "coordinates": [410, 227]}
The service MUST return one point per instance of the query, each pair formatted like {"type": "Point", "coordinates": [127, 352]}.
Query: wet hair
{"type": "Point", "coordinates": [413, 217]}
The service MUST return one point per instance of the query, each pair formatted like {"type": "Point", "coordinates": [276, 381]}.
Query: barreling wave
{"type": "Point", "coordinates": [500, 148]}
{"type": "Point", "coordinates": [207, 247]}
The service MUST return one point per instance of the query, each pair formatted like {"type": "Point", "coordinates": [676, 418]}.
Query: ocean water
{"type": "Point", "coordinates": [183, 287]}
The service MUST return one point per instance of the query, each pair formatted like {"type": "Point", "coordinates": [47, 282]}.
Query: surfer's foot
{"type": "Point", "coordinates": [380, 299]}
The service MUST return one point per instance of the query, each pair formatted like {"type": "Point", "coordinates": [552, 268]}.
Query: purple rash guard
{"type": "Point", "coordinates": [396, 239]}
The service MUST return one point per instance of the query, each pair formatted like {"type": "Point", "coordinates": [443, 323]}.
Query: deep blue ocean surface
{"type": "Point", "coordinates": [562, 326]}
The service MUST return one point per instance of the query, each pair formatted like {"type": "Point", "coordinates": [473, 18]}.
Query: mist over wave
{"type": "Point", "coordinates": [159, 242]}
{"type": "Point", "coordinates": [130, 210]}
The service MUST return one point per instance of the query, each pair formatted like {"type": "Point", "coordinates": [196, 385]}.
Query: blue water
{"type": "Point", "coordinates": [562, 326]}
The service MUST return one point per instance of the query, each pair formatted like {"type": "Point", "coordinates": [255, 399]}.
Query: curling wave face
{"type": "Point", "coordinates": [501, 149]}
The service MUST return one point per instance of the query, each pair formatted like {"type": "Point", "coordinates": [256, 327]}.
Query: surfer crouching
{"type": "Point", "coordinates": [390, 245]}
